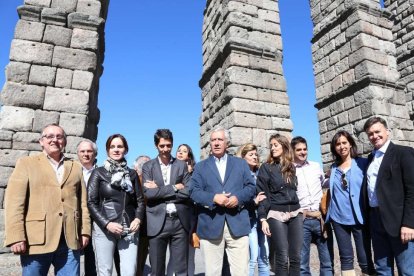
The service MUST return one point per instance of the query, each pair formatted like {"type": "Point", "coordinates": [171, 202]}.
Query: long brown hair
{"type": "Point", "coordinates": [285, 161]}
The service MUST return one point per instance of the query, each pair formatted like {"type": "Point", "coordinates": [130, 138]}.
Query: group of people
{"type": "Point", "coordinates": [248, 213]}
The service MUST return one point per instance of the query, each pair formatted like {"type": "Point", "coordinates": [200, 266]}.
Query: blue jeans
{"type": "Point", "coordinates": [362, 246]}
{"type": "Point", "coordinates": [258, 250]}
{"type": "Point", "coordinates": [312, 233]}
{"type": "Point", "coordinates": [65, 261]}
{"type": "Point", "coordinates": [104, 245]}
{"type": "Point", "coordinates": [387, 248]}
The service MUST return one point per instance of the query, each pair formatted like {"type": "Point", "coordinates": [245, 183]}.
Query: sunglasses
{"type": "Point", "coordinates": [344, 183]}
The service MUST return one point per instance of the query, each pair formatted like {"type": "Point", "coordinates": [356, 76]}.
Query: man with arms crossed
{"type": "Point", "coordinates": [221, 186]}
{"type": "Point", "coordinates": [47, 220]}
{"type": "Point", "coordinates": [168, 206]}
{"type": "Point", "coordinates": [87, 151]}
{"type": "Point", "coordinates": [389, 186]}
{"type": "Point", "coordinates": [310, 181]}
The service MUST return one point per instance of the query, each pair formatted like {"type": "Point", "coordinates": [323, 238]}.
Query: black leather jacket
{"type": "Point", "coordinates": [110, 204]}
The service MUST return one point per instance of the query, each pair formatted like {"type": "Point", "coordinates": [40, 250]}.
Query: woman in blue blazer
{"type": "Point", "coordinates": [344, 212]}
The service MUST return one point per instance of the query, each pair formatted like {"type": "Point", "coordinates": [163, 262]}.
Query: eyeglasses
{"type": "Point", "coordinates": [52, 137]}
{"type": "Point", "coordinates": [344, 182]}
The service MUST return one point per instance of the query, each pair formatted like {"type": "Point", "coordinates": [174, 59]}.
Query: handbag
{"type": "Point", "coordinates": [325, 200]}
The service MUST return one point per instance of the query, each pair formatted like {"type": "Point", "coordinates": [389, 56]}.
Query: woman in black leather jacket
{"type": "Point", "coordinates": [280, 213]}
{"type": "Point", "coordinates": [116, 206]}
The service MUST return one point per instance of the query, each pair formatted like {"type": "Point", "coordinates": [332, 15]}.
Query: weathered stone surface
{"type": "Point", "coordinates": [90, 7]}
{"type": "Point", "coordinates": [8, 158]}
{"type": "Point", "coordinates": [44, 118]}
{"type": "Point", "coordinates": [41, 3]}
{"type": "Point", "coordinates": [64, 78]}
{"type": "Point", "coordinates": [67, 5]}
{"type": "Point", "coordinates": [74, 59]}
{"type": "Point", "coordinates": [66, 100]}
{"type": "Point", "coordinates": [82, 80]}
{"type": "Point", "coordinates": [26, 141]}
{"type": "Point", "coordinates": [55, 16]}
{"type": "Point", "coordinates": [5, 173]}
{"type": "Point", "coordinates": [29, 13]}
{"type": "Point", "coordinates": [85, 21]}
{"type": "Point", "coordinates": [16, 118]}
{"type": "Point", "coordinates": [84, 39]}
{"type": "Point", "coordinates": [6, 135]}
{"type": "Point", "coordinates": [73, 124]}
{"type": "Point", "coordinates": [17, 72]}
{"type": "Point", "coordinates": [57, 35]}
{"type": "Point", "coordinates": [73, 142]}
{"type": "Point", "coordinates": [42, 75]}
{"type": "Point", "coordinates": [31, 52]}
{"type": "Point", "coordinates": [15, 94]}
{"type": "Point", "coordinates": [28, 30]}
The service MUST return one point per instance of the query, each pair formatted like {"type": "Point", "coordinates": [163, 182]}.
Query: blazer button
{"type": "Point", "coordinates": [63, 200]}
{"type": "Point", "coordinates": [60, 214]}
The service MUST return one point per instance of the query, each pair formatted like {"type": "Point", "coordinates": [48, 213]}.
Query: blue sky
{"type": "Point", "coordinates": [153, 63]}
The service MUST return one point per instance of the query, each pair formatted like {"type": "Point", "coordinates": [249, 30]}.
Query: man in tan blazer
{"type": "Point", "coordinates": [47, 220]}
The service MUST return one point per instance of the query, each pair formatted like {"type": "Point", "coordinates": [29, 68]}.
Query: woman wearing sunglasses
{"type": "Point", "coordinates": [344, 212]}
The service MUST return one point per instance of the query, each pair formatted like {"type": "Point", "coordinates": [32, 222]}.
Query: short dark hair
{"type": "Point", "coordinates": [373, 120]}
{"type": "Point", "coordinates": [112, 137]}
{"type": "Point", "coordinates": [163, 133]}
{"type": "Point", "coordinates": [354, 148]}
{"type": "Point", "coordinates": [297, 140]}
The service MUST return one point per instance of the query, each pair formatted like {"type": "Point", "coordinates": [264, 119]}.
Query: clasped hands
{"type": "Point", "coordinates": [225, 200]}
{"type": "Point", "coordinates": [150, 184]}
{"type": "Point", "coordinates": [117, 229]}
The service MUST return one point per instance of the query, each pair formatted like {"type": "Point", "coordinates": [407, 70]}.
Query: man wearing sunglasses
{"type": "Point", "coordinates": [168, 206]}
{"type": "Point", "coordinates": [389, 191]}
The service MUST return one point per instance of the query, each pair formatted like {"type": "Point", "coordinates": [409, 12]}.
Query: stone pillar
{"type": "Point", "coordinates": [53, 77]}
{"type": "Point", "coordinates": [243, 87]}
{"type": "Point", "coordinates": [403, 30]}
{"type": "Point", "coordinates": [356, 73]}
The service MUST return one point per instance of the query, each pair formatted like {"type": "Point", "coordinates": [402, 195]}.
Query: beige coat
{"type": "Point", "coordinates": [37, 207]}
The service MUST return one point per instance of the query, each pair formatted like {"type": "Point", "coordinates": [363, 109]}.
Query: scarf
{"type": "Point", "coordinates": [120, 174]}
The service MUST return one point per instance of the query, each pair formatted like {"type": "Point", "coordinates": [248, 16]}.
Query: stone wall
{"type": "Point", "coordinates": [53, 77]}
{"type": "Point", "coordinates": [243, 87]}
{"type": "Point", "coordinates": [356, 74]}
{"type": "Point", "coordinates": [403, 30]}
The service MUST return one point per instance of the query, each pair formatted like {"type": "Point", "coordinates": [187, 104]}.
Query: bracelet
{"type": "Point", "coordinates": [175, 188]}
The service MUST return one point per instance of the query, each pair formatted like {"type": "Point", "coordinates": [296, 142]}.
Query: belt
{"type": "Point", "coordinates": [172, 215]}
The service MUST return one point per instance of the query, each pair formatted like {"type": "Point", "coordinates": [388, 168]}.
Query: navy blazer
{"type": "Point", "coordinates": [395, 188]}
{"type": "Point", "coordinates": [206, 183]}
{"type": "Point", "coordinates": [358, 167]}
{"type": "Point", "coordinates": [157, 198]}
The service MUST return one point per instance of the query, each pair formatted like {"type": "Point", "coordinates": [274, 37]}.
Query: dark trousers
{"type": "Point", "coordinates": [174, 235]}
{"type": "Point", "coordinates": [287, 238]}
{"type": "Point", "coordinates": [387, 249]}
{"type": "Point", "coordinates": [362, 246]}
{"type": "Point", "coordinates": [89, 254]}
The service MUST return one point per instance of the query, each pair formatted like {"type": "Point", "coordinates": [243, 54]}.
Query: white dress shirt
{"type": "Point", "coordinates": [87, 174]}
{"type": "Point", "coordinates": [58, 167]}
{"type": "Point", "coordinates": [372, 173]}
{"type": "Point", "coordinates": [221, 164]}
{"type": "Point", "coordinates": [310, 180]}
{"type": "Point", "coordinates": [166, 175]}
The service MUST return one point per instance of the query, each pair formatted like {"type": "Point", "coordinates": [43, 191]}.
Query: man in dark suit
{"type": "Point", "coordinates": [389, 188]}
{"type": "Point", "coordinates": [168, 206]}
{"type": "Point", "coordinates": [221, 186]}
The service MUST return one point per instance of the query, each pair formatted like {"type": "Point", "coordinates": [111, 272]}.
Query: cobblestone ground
{"type": "Point", "coordinates": [10, 264]}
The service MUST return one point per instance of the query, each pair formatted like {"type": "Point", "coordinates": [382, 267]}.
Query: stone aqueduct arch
{"type": "Point", "coordinates": [363, 59]}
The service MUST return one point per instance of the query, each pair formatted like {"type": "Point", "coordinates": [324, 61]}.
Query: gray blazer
{"type": "Point", "coordinates": [157, 198]}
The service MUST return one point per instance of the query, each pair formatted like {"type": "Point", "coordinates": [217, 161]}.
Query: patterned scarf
{"type": "Point", "coordinates": [120, 174]}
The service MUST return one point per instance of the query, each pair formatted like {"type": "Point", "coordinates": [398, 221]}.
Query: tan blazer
{"type": "Point", "coordinates": [38, 208]}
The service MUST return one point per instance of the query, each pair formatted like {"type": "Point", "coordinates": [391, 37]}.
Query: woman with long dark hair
{"type": "Point", "coordinates": [344, 212]}
{"type": "Point", "coordinates": [280, 212]}
{"type": "Point", "coordinates": [116, 206]}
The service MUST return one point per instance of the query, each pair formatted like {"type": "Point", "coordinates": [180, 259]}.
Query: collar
{"type": "Point", "coordinates": [161, 163]}
{"type": "Point", "coordinates": [297, 165]}
{"type": "Point", "coordinates": [222, 159]}
{"type": "Point", "coordinates": [88, 170]}
{"type": "Point", "coordinates": [63, 158]}
{"type": "Point", "coordinates": [382, 149]}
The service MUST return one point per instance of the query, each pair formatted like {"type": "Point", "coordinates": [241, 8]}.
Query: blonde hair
{"type": "Point", "coordinates": [285, 161]}
{"type": "Point", "coordinates": [244, 149]}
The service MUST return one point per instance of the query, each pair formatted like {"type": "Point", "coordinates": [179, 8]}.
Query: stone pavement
{"type": "Point", "coordinates": [10, 264]}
